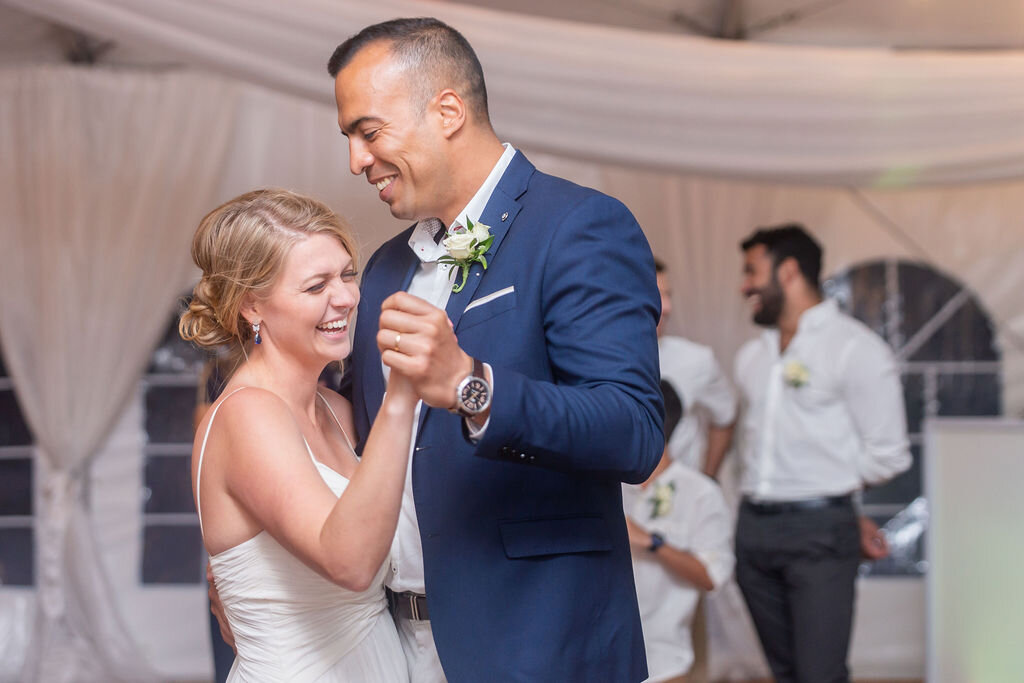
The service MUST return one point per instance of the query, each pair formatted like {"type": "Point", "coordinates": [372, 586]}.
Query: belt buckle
{"type": "Point", "coordinates": [414, 607]}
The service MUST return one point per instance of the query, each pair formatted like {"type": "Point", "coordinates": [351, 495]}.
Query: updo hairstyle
{"type": "Point", "coordinates": [240, 247]}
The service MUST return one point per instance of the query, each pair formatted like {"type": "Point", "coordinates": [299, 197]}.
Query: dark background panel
{"type": "Point", "coordinates": [172, 554]}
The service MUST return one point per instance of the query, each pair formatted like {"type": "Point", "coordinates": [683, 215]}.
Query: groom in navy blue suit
{"type": "Point", "coordinates": [539, 376]}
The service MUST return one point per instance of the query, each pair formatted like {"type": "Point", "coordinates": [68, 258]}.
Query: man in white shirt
{"type": "Point", "coordinates": [680, 533]}
{"type": "Point", "coordinates": [823, 417]}
{"type": "Point", "coordinates": [704, 432]}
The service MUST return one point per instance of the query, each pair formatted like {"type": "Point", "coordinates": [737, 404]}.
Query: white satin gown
{"type": "Point", "coordinates": [292, 624]}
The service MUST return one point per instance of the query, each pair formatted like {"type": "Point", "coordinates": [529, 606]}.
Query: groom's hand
{"type": "Point", "coordinates": [417, 340]}
{"type": "Point", "coordinates": [218, 610]}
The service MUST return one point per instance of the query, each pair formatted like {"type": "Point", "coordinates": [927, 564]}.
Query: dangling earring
{"type": "Point", "coordinates": [256, 330]}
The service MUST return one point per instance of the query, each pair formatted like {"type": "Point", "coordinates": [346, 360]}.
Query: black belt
{"type": "Point", "coordinates": [774, 507]}
{"type": "Point", "coordinates": [408, 605]}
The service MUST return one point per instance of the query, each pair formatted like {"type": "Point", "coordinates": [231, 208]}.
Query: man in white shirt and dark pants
{"type": "Point", "coordinates": [823, 417]}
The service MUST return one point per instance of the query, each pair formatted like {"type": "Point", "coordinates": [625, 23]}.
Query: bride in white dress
{"type": "Point", "coordinates": [297, 528]}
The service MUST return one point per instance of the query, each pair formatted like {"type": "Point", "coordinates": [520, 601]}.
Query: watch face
{"type": "Point", "coordinates": [475, 394]}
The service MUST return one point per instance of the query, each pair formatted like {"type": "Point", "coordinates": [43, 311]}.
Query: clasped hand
{"type": "Point", "coordinates": [417, 341]}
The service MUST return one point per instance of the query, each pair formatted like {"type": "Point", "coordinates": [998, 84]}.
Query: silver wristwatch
{"type": "Point", "coordinates": [473, 395]}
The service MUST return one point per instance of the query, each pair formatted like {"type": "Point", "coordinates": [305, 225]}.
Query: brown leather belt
{"type": "Point", "coordinates": [408, 605]}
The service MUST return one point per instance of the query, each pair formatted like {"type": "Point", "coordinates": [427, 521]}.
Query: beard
{"type": "Point", "coordinates": [771, 304]}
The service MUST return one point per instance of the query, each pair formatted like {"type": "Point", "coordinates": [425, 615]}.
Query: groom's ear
{"type": "Point", "coordinates": [452, 111]}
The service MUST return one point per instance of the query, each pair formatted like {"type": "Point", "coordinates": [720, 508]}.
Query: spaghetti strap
{"type": "Point", "coordinates": [338, 422]}
{"type": "Point", "coordinates": [202, 452]}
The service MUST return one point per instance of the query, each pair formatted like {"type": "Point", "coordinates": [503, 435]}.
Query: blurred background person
{"type": "Point", "coordinates": [823, 417]}
{"type": "Point", "coordinates": [696, 532]}
{"type": "Point", "coordinates": [679, 534]}
{"type": "Point", "coordinates": [704, 433]}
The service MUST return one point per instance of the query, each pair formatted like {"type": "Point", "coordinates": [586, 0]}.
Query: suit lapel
{"type": "Point", "coordinates": [500, 212]}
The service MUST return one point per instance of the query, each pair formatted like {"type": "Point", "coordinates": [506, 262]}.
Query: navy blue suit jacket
{"type": "Point", "coordinates": [525, 550]}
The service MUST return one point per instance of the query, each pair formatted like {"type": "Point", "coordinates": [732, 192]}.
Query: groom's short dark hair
{"type": "Point", "coordinates": [438, 54]}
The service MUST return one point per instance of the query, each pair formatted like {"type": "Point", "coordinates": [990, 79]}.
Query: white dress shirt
{"type": "Point", "coordinates": [432, 282]}
{"type": "Point", "coordinates": [824, 417]}
{"type": "Point", "coordinates": [696, 520]}
{"type": "Point", "coordinates": [705, 393]}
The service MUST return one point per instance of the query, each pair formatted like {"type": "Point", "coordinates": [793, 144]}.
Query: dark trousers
{"type": "Point", "coordinates": [797, 571]}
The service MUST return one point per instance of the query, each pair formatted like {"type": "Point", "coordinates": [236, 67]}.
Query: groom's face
{"type": "Point", "coordinates": [391, 140]}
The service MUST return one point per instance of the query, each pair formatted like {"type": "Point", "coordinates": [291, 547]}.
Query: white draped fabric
{"type": "Point", "coordinates": [864, 117]}
{"type": "Point", "coordinates": [103, 174]}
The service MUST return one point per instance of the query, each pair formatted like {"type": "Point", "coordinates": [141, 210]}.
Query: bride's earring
{"type": "Point", "coordinates": [256, 330]}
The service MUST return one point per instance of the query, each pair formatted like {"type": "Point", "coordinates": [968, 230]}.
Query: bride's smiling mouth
{"type": "Point", "coordinates": [334, 327]}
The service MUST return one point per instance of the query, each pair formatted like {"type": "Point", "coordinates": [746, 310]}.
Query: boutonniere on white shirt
{"type": "Point", "coordinates": [796, 374]}
{"type": "Point", "coordinates": [661, 502]}
{"type": "Point", "coordinates": [466, 246]}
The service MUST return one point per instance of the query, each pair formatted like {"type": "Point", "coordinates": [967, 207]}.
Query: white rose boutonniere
{"type": "Point", "coordinates": [796, 374]}
{"type": "Point", "coordinates": [466, 246]}
{"type": "Point", "coordinates": [661, 502]}
{"type": "Point", "coordinates": [479, 231]}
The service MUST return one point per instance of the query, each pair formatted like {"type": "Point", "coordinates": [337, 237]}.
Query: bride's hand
{"type": "Point", "coordinates": [418, 339]}
{"type": "Point", "coordinates": [389, 342]}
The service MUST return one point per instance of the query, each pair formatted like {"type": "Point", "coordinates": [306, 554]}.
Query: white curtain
{"type": "Point", "coordinates": [104, 175]}
{"type": "Point", "coordinates": [826, 116]}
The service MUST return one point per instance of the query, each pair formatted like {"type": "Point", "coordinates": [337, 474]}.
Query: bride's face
{"type": "Point", "coordinates": [308, 310]}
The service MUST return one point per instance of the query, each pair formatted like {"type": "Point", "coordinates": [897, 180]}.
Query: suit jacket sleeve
{"type": "Point", "coordinates": [603, 412]}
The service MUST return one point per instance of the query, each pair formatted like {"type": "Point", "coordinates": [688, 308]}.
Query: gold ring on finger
{"type": "Point", "coordinates": [398, 340]}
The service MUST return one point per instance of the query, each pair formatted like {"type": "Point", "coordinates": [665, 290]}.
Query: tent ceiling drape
{"type": "Point", "coordinates": [906, 24]}
{"type": "Point", "coordinates": [826, 116]}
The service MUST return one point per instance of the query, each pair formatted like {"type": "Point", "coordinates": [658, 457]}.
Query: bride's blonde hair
{"type": "Point", "coordinates": [241, 246]}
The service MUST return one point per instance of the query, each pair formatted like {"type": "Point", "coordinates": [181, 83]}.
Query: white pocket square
{"type": "Point", "coordinates": [489, 298]}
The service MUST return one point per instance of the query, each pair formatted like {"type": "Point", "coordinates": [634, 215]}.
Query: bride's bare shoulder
{"type": "Point", "coordinates": [250, 416]}
{"type": "Point", "coordinates": [250, 401]}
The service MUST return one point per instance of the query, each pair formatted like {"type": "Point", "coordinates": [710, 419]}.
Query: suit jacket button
{"type": "Point", "coordinates": [522, 456]}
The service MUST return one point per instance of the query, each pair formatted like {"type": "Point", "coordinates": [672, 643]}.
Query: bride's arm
{"type": "Point", "coordinates": [273, 479]}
